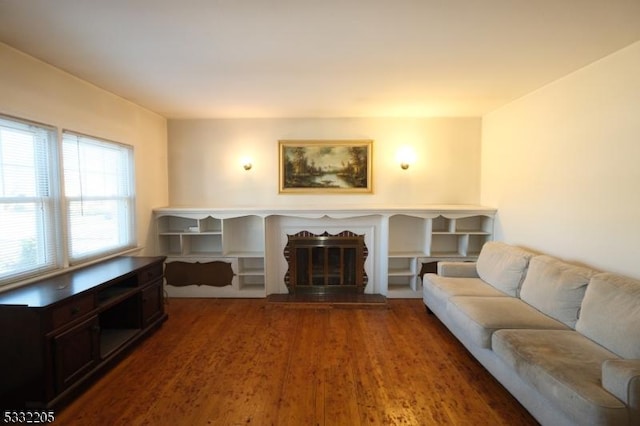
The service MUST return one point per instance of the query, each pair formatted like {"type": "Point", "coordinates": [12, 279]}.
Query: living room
{"type": "Point", "coordinates": [558, 162]}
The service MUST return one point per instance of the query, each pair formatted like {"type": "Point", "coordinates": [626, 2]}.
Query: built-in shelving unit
{"type": "Point", "coordinates": [204, 236]}
{"type": "Point", "coordinates": [460, 236]}
{"type": "Point", "coordinates": [189, 237]}
{"type": "Point", "coordinates": [425, 237]}
{"type": "Point", "coordinates": [402, 240]}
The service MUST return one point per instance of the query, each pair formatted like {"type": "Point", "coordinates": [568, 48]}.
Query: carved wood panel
{"type": "Point", "coordinates": [216, 273]}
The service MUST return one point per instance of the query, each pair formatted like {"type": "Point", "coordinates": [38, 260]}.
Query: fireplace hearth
{"type": "Point", "coordinates": [325, 263]}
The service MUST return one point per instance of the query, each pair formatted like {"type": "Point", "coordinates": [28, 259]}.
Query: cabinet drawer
{"type": "Point", "coordinates": [72, 309]}
{"type": "Point", "coordinates": [150, 274]}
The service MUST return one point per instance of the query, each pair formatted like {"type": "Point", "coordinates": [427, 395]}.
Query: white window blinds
{"type": "Point", "coordinates": [29, 200]}
{"type": "Point", "coordinates": [99, 194]}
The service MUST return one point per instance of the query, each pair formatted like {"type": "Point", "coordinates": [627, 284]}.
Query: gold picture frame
{"type": "Point", "coordinates": [325, 166]}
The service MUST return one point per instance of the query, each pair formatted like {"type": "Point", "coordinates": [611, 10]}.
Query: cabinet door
{"type": "Point", "coordinates": [76, 352]}
{"type": "Point", "coordinates": [152, 300]}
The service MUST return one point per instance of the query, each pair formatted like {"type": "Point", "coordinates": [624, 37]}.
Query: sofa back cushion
{"type": "Point", "coordinates": [503, 266]}
{"type": "Point", "coordinates": [555, 288]}
{"type": "Point", "coordinates": [610, 314]}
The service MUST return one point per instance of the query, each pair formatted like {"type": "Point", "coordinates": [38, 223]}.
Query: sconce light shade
{"type": "Point", "coordinates": [246, 163]}
{"type": "Point", "coordinates": [406, 156]}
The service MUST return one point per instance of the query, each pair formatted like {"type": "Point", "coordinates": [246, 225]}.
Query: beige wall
{"type": "Point", "coordinates": [205, 170]}
{"type": "Point", "coordinates": [562, 165]}
{"type": "Point", "coordinates": [33, 90]}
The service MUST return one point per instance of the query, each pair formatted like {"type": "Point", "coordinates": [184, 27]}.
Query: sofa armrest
{"type": "Point", "coordinates": [621, 377]}
{"type": "Point", "coordinates": [457, 269]}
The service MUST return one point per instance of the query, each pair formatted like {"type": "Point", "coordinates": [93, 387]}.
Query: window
{"type": "Point", "coordinates": [29, 201]}
{"type": "Point", "coordinates": [62, 201]}
{"type": "Point", "coordinates": [99, 194]}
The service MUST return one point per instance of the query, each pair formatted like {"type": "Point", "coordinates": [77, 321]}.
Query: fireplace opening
{"type": "Point", "coordinates": [324, 264]}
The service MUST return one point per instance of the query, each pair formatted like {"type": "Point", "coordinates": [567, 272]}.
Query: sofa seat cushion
{"type": "Point", "coordinates": [481, 316]}
{"type": "Point", "coordinates": [610, 314]}
{"type": "Point", "coordinates": [503, 266]}
{"type": "Point", "coordinates": [446, 287]}
{"type": "Point", "coordinates": [566, 368]}
{"type": "Point", "coordinates": [555, 288]}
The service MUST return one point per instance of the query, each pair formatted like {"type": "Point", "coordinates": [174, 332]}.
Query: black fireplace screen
{"type": "Point", "coordinates": [323, 263]}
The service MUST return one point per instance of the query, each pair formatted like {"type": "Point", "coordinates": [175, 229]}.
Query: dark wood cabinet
{"type": "Point", "coordinates": [59, 333]}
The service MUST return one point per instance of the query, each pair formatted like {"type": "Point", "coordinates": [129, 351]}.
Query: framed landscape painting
{"type": "Point", "coordinates": [325, 166]}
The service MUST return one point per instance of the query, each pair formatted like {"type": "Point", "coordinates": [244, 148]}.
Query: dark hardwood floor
{"type": "Point", "coordinates": [239, 362]}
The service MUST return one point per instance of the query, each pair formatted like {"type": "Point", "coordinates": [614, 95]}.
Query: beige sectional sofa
{"type": "Point", "coordinates": [563, 339]}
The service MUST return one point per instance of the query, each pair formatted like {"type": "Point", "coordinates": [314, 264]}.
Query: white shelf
{"type": "Point", "coordinates": [251, 282]}
{"type": "Point", "coordinates": [446, 254]}
{"type": "Point", "coordinates": [403, 286]}
{"type": "Point", "coordinates": [407, 234]}
{"type": "Point", "coordinates": [251, 266]}
{"type": "Point", "coordinates": [243, 235]}
{"type": "Point", "coordinates": [249, 273]}
{"type": "Point", "coordinates": [401, 254]}
{"type": "Point", "coordinates": [401, 273]}
{"type": "Point", "coordinates": [245, 254]}
{"type": "Point", "coordinates": [402, 266]}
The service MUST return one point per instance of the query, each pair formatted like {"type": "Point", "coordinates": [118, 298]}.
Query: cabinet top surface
{"type": "Point", "coordinates": [328, 210]}
{"type": "Point", "coordinates": [51, 290]}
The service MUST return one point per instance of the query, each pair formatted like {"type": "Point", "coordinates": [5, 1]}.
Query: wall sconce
{"type": "Point", "coordinates": [246, 163]}
{"type": "Point", "coordinates": [406, 157]}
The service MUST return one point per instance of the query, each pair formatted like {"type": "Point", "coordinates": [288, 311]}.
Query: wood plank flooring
{"type": "Point", "coordinates": [249, 362]}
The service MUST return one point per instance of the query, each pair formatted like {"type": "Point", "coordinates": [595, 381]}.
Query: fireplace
{"type": "Point", "coordinates": [324, 264]}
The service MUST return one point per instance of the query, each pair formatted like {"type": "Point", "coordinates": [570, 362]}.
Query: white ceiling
{"type": "Point", "coordinates": [319, 58]}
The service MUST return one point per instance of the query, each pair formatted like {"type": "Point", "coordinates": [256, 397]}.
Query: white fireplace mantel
{"type": "Point", "coordinates": [335, 211]}
{"type": "Point", "coordinates": [252, 240]}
